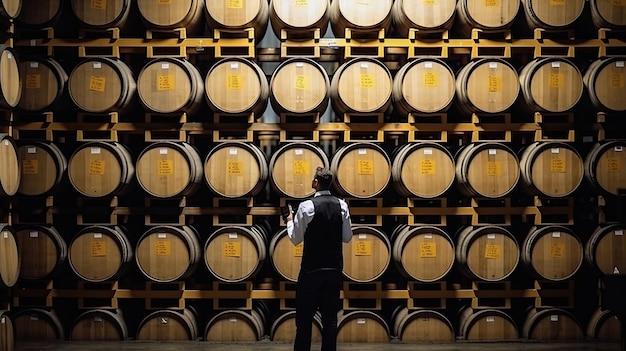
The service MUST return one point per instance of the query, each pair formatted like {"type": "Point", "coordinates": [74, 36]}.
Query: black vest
{"type": "Point", "coordinates": [322, 239]}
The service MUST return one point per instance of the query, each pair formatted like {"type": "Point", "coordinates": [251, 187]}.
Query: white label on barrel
{"type": "Point", "coordinates": [3, 320]}
{"type": "Point", "coordinates": [95, 151]}
{"type": "Point", "coordinates": [493, 65]}
{"type": "Point", "coordinates": [33, 42]}
{"type": "Point", "coordinates": [232, 235]}
{"type": "Point", "coordinates": [97, 65]}
{"type": "Point", "coordinates": [97, 235]}
{"type": "Point", "coordinates": [554, 318]}
{"type": "Point", "coordinates": [5, 235]}
{"type": "Point", "coordinates": [556, 234]}
{"type": "Point", "coordinates": [428, 236]}
{"type": "Point", "coordinates": [362, 236]}
{"type": "Point", "coordinates": [97, 319]}
{"type": "Point", "coordinates": [161, 235]}
{"type": "Point", "coordinates": [619, 64]}
{"type": "Point", "coordinates": [165, 66]}
{"type": "Point", "coordinates": [490, 319]}
{"type": "Point", "coordinates": [34, 317]}
{"type": "Point", "coordinates": [491, 236]}
{"type": "Point", "coordinates": [492, 151]}
{"type": "Point", "coordinates": [362, 151]}
{"type": "Point", "coordinates": [233, 320]}
{"type": "Point", "coordinates": [33, 234]}
{"type": "Point", "coordinates": [34, 65]}
{"type": "Point", "coordinates": [31, 150]}
{"type": "Point", "coordinates": [428, 65]}
{"type": "Point", "coordinates": [164, 320]}
{"type": "Point", "coordinates": [163, 151]}
{"type": "Point", "coordinates": [10, 56]}
{"type": "Point", "coordinates": [364, 65]}
{"type": "Point", "coordinates": [299, 64]}
{"type": "Point", "coordinates": [360, 321]}
{"type": "Point", "coordinates": [234, 65]}
{"type": "Point", "coordinates": [617, 148]}
{"type": "Point", "coordinates": [619, 233]}
{"type": "Point", "coordinates": [6, 143]}
{"type": "Point", "coordinates": [555, 150]}
{"type": "Point", "coordinates": [233, 151]}
{"type": "Point", "coordinates": [298, 152]}
{"type": "Point", "coordinates": [428, 151]}
{"type": "Point", "coordinates": [556, 64]}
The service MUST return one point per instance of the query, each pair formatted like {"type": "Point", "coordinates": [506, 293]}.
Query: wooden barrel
{"type": "Point", "coordinates": [170, 86]}
{"type": "Point", "coordinates": [552, 15]}
{"type": "Point", "coordinates": [42, 251]}
{"type": "Point", "coordinates": [10, 175]}
{"type": "Point", "coordinates": [608, 14]}
{"type": "Point", "coordinates": [10, 82]}
{"type": "Point", "coordinates": [299, 85]}
{"type": "Point", "coordinates": [99, 325]}
{"type": "Point", "coordinates": [101, 14]}
{"type": "Point", "coordinates": [7, 332]}
{"type": "Point", "coordinates": [237, 86]}
{"type": "Point", "coordinates": [168, 325]}
{"type": "Point", "coordinates": [487, 325]}
{"type": "Point", "coordinates": [283, 328]}
{"type": "Point", "coordinates": [604, 249]}
{"type": "Point", "coordinates": [551, 324]}
{"type": "Point", "coordinates": [422, 326]}
{"type": "Point", "coordinates": [551, 84]}
{"type": "Point", "coordinates": [169, 169]}
{"type": "Point", "coordinates": [488, 253]}
{"type": "Point", "coordinates": [361, 85]}
{"type": "Point", "coordinates": [362, 170]}
{"type": "Point", "coordinates": [424, 16]}
{"type": "Point", "coordinates": [552, 253]}
{"type": "Point", "coordinates": [101, 169]}
{"type": "Point", "coordinates": [487, 16]}
{"type": "Point", "coordinates": [423, 170]}
{"type": "Point", "coordinates": [238, 16]}
{"type": "Point", "coordinates": [360, 15]}
{"type": "Point", "coordinates": [44, 85]}
{"type": "Point", "coordinates": [423, 86]}
{"type": "Point", "coordinates": [43, 167]}
{"type": "Point", "coordinates": [367, 257]}
{"type": "Point", "coordinates": [293, 167]}
{"type": "Point", "coordinates": [362, 327]}
{"type": "Point", "coordinates": [236, 253]}
{"type": "Point", "coordinates": [285, 257]}
{"type": "Point", "coordinates": [488, 169]}
{"type": "Point", "coordinates": [604, 325]}
{"type": "Point", "coordinates": [37, 324]}
{"type": "Point", "coordinates": [422, 253]}
{"type": "Point", "coordinates": [605, 83]}
{"type": "Point", "coordinates": [99, 253]}
{"type": "Point", "coordinates": [299, 19]}
{"type": "Point", "coordinates": [552, 169]}
{"type": "Point", "coordinates": [102, 85]}
{"type": "Point", "coordinates": [163, 15]}
{"type": "Point", "coordinates": [40, 13]}
{"type": "Point", "coordinates": [10, 259]}
{"type": "Point", "coordinates": [604, 166]}
{"type": "Point", "coordinates": [165, 253]}
{"type": "Point", "coordinates": [235, 169]}
{"type": "Point", "coordinates": [10, 9]}
{"type": "Point", "coordinates": [488, 85]}
{"type": "Point", "coordinates": [235, 326]}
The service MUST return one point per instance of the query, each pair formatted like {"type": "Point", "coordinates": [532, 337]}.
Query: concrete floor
{"type": "Point", "coordinates": [272, 346]}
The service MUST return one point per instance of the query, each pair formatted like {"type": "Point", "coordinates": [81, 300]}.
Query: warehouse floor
{"type": "Point", "coordinates": [271, 346]}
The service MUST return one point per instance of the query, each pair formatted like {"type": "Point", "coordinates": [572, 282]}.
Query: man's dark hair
{"type": "Point", "coordinates": [324, 177]}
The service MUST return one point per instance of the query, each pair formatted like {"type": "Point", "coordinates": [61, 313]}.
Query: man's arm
{"type": "Point", "coordinates": [296, 227]}
{"type": "Point", "coordinates": [346, 225]}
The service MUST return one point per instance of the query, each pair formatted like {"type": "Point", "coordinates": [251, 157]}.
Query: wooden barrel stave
{"type": "Point", "coordinates": [422, 326]}
{"type": "Point", "coordinates": [551, 324]}
{"type": "Point", "coordinates": [487, 325]}
{"type": "Point", "coordinates": [37, 324]}
{"type": "Point", "coordinates": [361, 85]}
{"type": "Point", "coordinates": [608, 14]}
{"type": "Point", "coordinates": [10, 260]}
{"type": "Point", "coordinates": [604, 82]}
{"type": "Point", "coordinates": [235, 326]}
{"type": "Point", "coordinates": [552, 253]}
{"type": "Point", "coordinates": [362, 170]}
{"type": "Point", "coordinates": [360, 16]}
{"type": "Point", "coordinates": [42, 251]}
{"type": "Point", "coordinates": [10, 9]}
{"type": "Point", "coordinates": [488, 16]}
{"type": "Point", "coordinates": [40, 13]}
{"type": "Point", "coordinates": [604, 325]}
{"type": "Point", "coordinates": [168, 325]}
{"type": "Point", "coordinates": [99, 325]}
{"type": "Point", "coordinates": [293, 167]}
{"type": "Point", "coordinates": [299, 85]}
{"type": "Point", "coordinates": [101, 14]}
{"type": "Point", "coordinates": [604, 249]}
{"type": "Point", "coordinates": [10, 173]}
{"type": "Point", "coordinates": [368, 255]}
{"type": "Point", "coordinates": [604, 168]}
{"type": "Point", "coordinates": [7, 332]}
{"type": "Point", "coordinates": [10, 81]}
{"type": "Point", "coordinates": [362, 327]}
{"type": "Point", "coordinates": [425, 17]}
{"type": "Point", "coordinates": [285, 257]}
{"type": "Point", "coordinates": [44, 85]}
{"type": "Point", "coordinates": [283, 328]}
{"type": "Point", "coordinates": [237, 16]}
{"type": "Point", "coordinates": [299, 19]}
{"type": "Point", "coordinates": [43, 167]}
{"type": "Point", "coordinates": [552, 15]}
{"type": "Point", "coordinates": [188, 14]}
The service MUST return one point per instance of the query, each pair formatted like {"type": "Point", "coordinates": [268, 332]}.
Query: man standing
{"type": "Point", "coordinates": [323, 223]}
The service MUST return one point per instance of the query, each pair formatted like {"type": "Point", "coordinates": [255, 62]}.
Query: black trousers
{"type": "Point", "coordinates": [318, 289]}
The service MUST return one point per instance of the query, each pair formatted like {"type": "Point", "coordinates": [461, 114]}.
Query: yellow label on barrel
{"type": "Point", "coordinates": [234, 81]}
{"type": "Point", "coordinates": [303, 82]}
{"type": "Point", "coordinates": [619, 2]}
{"type": "Point", "coordinates": [163, 248]}
{"type": "Point", "coordinates": [428, 250]}
{"type": "Point", "coordinates": [166, 82]}
{"type": "Point", "coordinates": [235, 168]}
{"type": "Point", "coordinates": [494, 168]}
{"type": "Point", "coordinates": [492, 251]}
{"type": "Point", "coordinates": [492, 3]}
{"type": "Point", "coordinates": [99, 4]}
{"type": "Point", "coordinates": [431, 79]}
{"type": "Point", "coordinates": [558, 165]}
{"type": "Point", "coordinates": [557, 250]}
{"type": "Point", "coordinates": [429, 2]}
{"type": "Point", "coordinates": [33, 81]}
{"type": "Point", "coordinates": [302, 3]}
{"type": "Point", "coordinates": [30, 167]}
{"type": "Point", "coordinates": [166, 167]}
{"type": "Point", "coordinates": [614, 165]}
{"type": "Point", "coordinates": [428, 167]}
{"type": "Point", "coordinates": [234, 4]}
{"type": "Point", "coordinates": [97, 167]}
{"type": "Point", "coordinates": [98, 248]}
{"type": "Point", "coordinates": [556, 80]}
{"type": "Point", "coordinates": [365, 167]}
{"type": "Point", "coordinates": [232, 249]}
{"type": "Point", "coordinates": [363, 248]}
{"type": "Point", "coordinates": [557, 2]}
{"type": "Point", "coordinates": [301, 167]}
{"type": "Point", "coordinates": [368, 81]}
{"type": "Point", "coordinates": [97, 84]}
{"type": "Point", "coordinates": [164, 2]}
{"type": "Point", "coordinates": [495, 83]}
{"type": "Point", "coordinates": [298, 250]}
{"type": "Point", "coordinates": [617, 80]}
